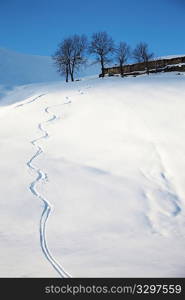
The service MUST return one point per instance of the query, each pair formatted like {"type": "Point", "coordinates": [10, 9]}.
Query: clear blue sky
{"type": "Point", "coordinates": [37, 26]}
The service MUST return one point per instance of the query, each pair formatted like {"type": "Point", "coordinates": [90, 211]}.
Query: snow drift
{"type": "Point", "coordinates": [114, 176]}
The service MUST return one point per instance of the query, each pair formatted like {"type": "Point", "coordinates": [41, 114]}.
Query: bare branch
{"type": "Point", "coordinates": [102, 45]}
{"type": "Point", "coordinates": [122, 55]}
{"type": "Point", "coordinates": [71, 55]}
{"type": "Point", "coordinates": [141, 54]}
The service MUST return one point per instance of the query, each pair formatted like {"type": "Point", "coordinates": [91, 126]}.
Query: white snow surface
{"type": "Point", "coordinates": [170, 56]}
{"type": "Point", "coordinates": [18, 69]}
{"type": "Point", "coordinates": [112, 169]}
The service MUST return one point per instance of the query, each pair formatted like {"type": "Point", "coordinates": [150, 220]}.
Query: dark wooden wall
{"type": "Point", "coordinates": [154, 66]}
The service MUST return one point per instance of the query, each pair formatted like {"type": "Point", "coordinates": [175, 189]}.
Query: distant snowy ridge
{"type": "Point", "coordinates": [19, 69]}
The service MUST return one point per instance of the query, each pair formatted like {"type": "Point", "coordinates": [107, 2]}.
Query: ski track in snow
{"type": "Point", "coordinates": [162, 201]}
{"type": "Point", "coordinates": [33, 100]}
{"type": "Point", "coordinates": [43, 176]}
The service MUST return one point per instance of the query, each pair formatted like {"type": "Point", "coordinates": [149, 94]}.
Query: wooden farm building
{"type": "Point", "coordinates": [156, 65]}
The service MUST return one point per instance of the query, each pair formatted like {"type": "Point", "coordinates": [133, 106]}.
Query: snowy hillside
{"type": "Point", "coordinates": [92, 178]}
{"type": "Point", "coordinates": [20, 69]}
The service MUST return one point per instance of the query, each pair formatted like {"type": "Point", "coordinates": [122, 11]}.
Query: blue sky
{"type": "Point", "coordinates": [37, 26]}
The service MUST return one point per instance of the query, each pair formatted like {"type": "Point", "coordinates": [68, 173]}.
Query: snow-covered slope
{"type": "Point", "coordinates": [107, 155]}
{"type": "Point", "coordinates": [20, 69]}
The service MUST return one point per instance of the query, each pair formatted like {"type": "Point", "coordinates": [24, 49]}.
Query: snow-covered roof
{"type": "Point", "coordinates": [170, 56]}
{"type": "Point", "coordinates": [155, 58]}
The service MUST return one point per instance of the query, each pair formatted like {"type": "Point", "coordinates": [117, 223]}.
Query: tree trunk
{"type": "Point", "coordinates": [67, 74]}
{"type": "Point", "coordinates": [102, 67]}
{"type": "Point", "coordinates": [72, 77]}
{"type": "Point", "coordinates": [121, 70]}
{"type": "Point", "coordinates": [147, 67]}
{"type": "Point", "coordinates": [71, 71]}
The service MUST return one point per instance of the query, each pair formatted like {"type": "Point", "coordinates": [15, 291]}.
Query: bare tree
{"type": "Point", "coordinates": [102, 45]}
{"type": "Point", "coordinates": [141, 54]}
{"type": "Point", "coordinates": [79, 45]}
{"type": "Point", "coordinates": [71, 55]}
{"type": "Point", "coordinates": [62, 61]}
{"type": "Point", "coordinates": [122, 54]}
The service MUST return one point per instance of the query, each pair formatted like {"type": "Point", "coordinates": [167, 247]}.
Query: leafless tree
{"type": "Point", "coordinates": [71, 55]}
{"type": "Point", "coordinates": [142, 54]}
{"type": "Point", "coordinates": [102, 45]}
{"type": "Point", "coordinates": [62, 61]}
{"type": "Point", "coordinates": [122, 55]}
{"type": "Point", "coordinates": [78, 53]}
